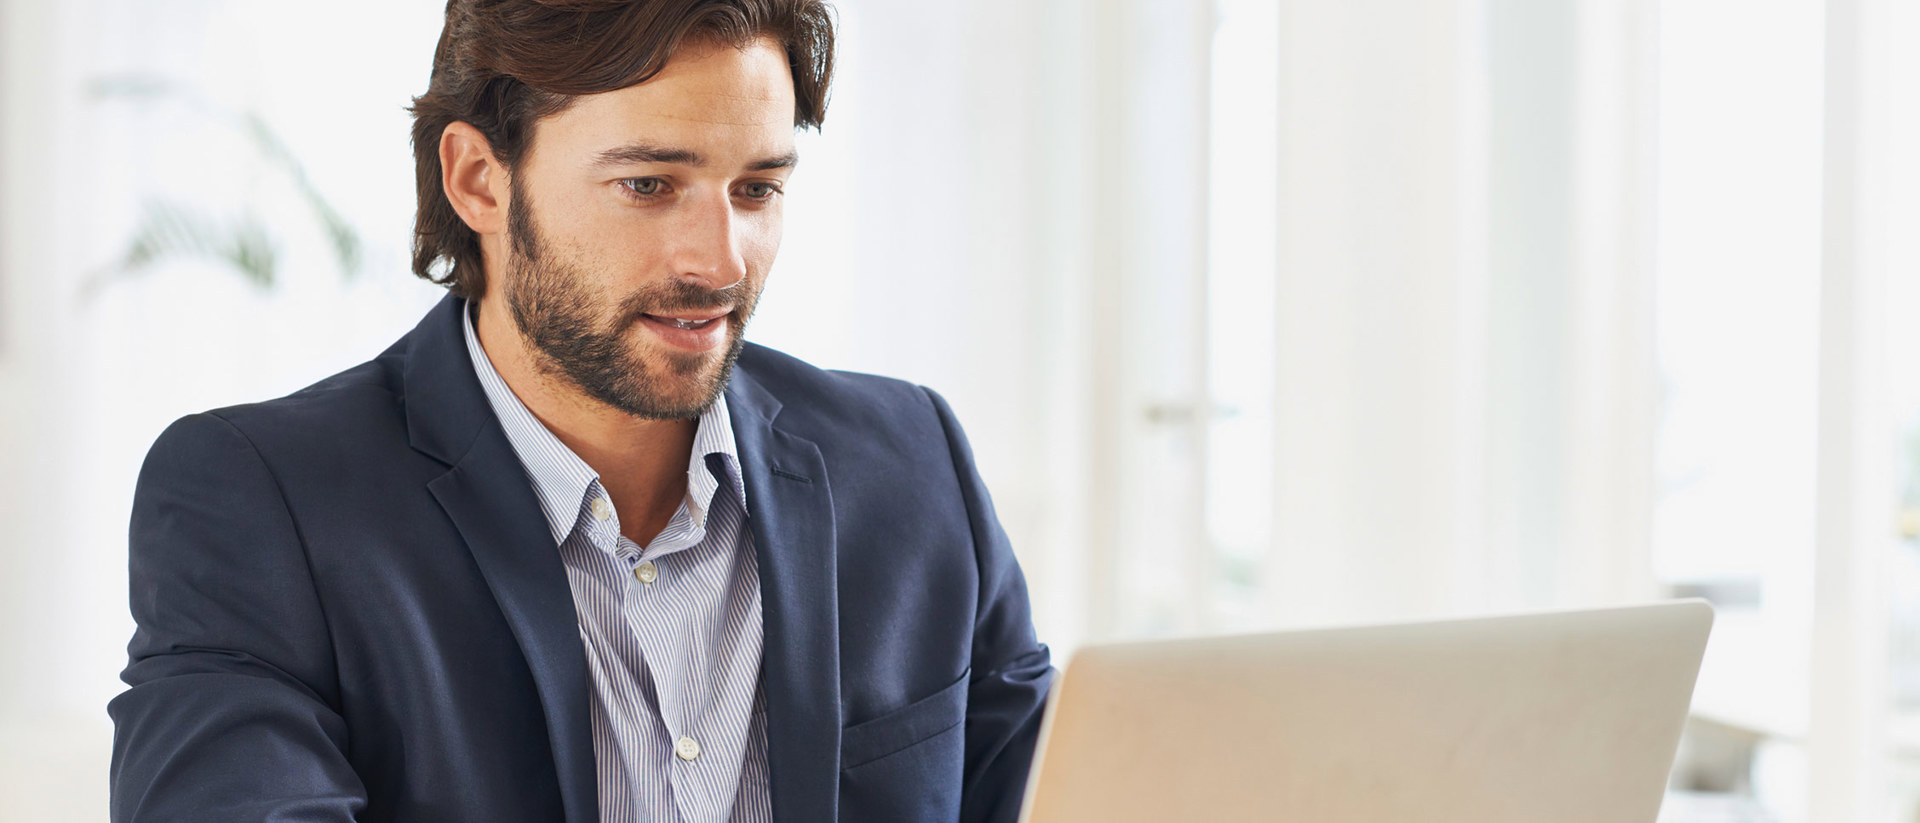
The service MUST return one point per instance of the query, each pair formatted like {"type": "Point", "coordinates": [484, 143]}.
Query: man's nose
{"type": "Point", "coordinates": [706, 242]}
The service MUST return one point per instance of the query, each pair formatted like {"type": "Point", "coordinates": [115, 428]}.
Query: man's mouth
{"type": "Point", "coordinates": [689, 322]}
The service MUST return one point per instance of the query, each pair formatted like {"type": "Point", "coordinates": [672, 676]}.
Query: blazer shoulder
{"type": "Point", "coordinates": [342, 408]}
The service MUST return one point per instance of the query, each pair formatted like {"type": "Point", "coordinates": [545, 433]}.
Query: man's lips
{"type": "Point", "coordinates": [700, 330]}
{"type": "Point", "coordinates": [689, 319]}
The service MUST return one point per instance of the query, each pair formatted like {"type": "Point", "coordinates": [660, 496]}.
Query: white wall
{"type": "Point", "coordinates": [52, 722]}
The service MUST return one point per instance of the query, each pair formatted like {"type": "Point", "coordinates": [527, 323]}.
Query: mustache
{"type": "Point", "coordinates": [680, 296]}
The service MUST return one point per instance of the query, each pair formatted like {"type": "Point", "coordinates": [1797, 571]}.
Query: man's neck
{"type": "Point", "coordinates": [642, 463]}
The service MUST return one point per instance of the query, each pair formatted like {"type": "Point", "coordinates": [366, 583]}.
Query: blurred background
{"type": "Point", "coordinates": [1260, 314]}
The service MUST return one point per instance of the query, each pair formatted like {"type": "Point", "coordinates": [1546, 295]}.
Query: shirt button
{"type": "Point", "coordinates": [686, 749]}
{"type": "Point", "coordinates": [601, 508]}
{"type": "Point", "coordinates": [645, 572]}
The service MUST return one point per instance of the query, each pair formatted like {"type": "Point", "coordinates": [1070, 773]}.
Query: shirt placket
{"type": "Point", "coordinates": [653, 604]}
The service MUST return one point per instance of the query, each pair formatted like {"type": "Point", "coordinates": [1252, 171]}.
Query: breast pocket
{"type": "Point", "coordinates": [906, 765]}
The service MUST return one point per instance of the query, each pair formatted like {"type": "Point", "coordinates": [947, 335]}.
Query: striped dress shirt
{"type": "Point", "coordinates": [672, 631]}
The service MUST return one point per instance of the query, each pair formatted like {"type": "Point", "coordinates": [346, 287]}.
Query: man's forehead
{"type": "Point", "coordinates": [614, 141]}
{"type": "Point", "coordinates": [694, 107]}
{"type": "Point", "coordinates": [716, 83]}
{"type": "Point", "coordinates": [704, 95]}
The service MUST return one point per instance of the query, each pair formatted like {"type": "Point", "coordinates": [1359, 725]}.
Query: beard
{"type": "Point", "coordinates": [553, 303]}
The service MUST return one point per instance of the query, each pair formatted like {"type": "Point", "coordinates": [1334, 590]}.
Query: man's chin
{"type": "Point", "coordinates": [680, 387]}
{"type": "Point", "coordinates": [662, 407]}
{"type": "Point", "coordinates": [670, 383]}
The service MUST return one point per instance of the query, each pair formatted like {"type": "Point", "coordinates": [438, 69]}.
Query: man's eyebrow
{"type": "Point", "coordinates": [788, 160]}
{"type": "Point", "coordinates": [647, 153]}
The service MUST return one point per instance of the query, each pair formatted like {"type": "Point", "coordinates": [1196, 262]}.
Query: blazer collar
{"type": "Point", "coordinates": [446, 408]}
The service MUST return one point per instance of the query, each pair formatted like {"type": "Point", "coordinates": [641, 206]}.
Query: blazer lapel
{"type": "Point", "coordinates": [487, 497]}
{"type": "Point", "coordinates": [791, 519]}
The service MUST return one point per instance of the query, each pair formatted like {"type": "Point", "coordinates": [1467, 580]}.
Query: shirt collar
{"type": "Point", "coordinates": [563, 482]}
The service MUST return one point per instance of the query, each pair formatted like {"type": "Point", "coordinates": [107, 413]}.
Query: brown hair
{"type": "Point", "coordinates": [504, 64]}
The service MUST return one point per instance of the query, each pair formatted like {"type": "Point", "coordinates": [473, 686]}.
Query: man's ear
{"type": "Point", "coordinates": [474, 181]}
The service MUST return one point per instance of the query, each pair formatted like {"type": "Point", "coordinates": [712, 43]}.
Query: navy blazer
{"type": "Point", "coordinates": [349, 607]}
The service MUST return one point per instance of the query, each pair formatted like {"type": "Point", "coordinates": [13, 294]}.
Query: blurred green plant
{"type": "Point", "coordinates": [169, 229]}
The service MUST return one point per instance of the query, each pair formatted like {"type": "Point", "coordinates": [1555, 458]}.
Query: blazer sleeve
{"type": "Point", "coordinates": [232, 705]}
{"type": "Point", "coordinates": [1012, 670]}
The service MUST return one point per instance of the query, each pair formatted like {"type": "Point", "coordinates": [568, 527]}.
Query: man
{"type": "Point", "coordinates": [556, 555]}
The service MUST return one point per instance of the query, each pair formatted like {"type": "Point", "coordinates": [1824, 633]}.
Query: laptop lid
{"type": "Point", "coordinates": [1567, 716]}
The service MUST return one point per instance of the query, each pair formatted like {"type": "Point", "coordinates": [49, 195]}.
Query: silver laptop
{"type": "Point", "coordinates": [1566, 717]}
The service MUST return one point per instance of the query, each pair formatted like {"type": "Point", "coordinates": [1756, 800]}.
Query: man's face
{"type": "Point", "coordinates": [641, 226]}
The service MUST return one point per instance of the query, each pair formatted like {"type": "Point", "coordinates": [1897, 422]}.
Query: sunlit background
{"type": "Point", "coordinates": [1260, 314]}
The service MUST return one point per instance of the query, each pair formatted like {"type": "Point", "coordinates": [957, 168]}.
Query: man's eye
{"type": "Point", "coordinates": [761, 191]}
{"type": "Point", "coordinates": [644, 185]}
